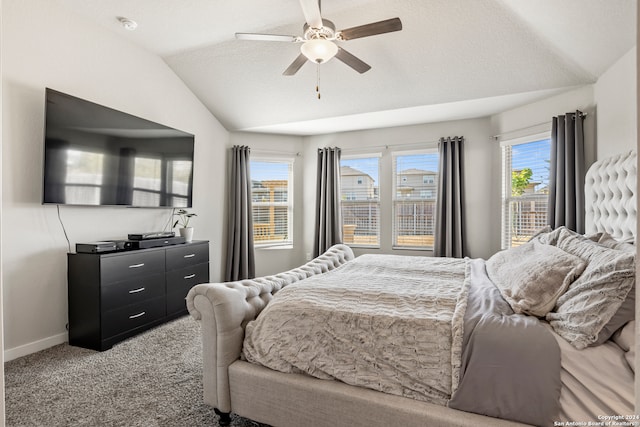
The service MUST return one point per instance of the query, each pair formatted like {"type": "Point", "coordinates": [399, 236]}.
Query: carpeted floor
{"type": "Point", "coordinates": [153, 379]}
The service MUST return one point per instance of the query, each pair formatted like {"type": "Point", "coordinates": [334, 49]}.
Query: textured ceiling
{"type": "Point", "coordinates": [453, 59]}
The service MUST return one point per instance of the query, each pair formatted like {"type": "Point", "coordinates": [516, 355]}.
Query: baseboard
{"type": "Point", "coordinates": [33, 347]}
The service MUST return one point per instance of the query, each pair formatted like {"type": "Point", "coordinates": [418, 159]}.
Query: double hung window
{"type": "Point", "coordinates": [525, 187]}
{"type": "Point", "coordinates": [360, 200]}
{"type": "Point", "coordinates": [272, 202]}
{"type": "Point", "coordinates": [415, 181]}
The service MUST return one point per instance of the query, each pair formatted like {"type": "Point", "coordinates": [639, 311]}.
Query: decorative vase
{"type": "Point", "coordinates": [187, 233]}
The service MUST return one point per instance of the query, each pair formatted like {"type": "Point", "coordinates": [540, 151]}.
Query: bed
{"type": "Point", "coordinates": [539, 335]}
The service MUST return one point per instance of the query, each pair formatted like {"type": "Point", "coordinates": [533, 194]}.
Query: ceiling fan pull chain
{"type": "Point", "coordinates": [318, 80]}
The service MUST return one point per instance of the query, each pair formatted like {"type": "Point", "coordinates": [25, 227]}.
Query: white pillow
{"type": "Point", "coordinates": [532, 277]}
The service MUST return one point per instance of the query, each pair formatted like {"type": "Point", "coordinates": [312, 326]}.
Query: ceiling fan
{"type": "Point", "coordinates": [320, 36]}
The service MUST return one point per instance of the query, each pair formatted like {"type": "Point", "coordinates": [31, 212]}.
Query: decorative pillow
{"type": "Point", "coordinates": [609, 241]}
{"type": "Point", "coordinates": [549, 236]}
{"type": "Point", "coordinates": [583, 311]}
{"type": "Point", "coordinates": [540, 231]}
{"type": "Point", "coordinates": [627, 310]}
{"type": "Point", "coordinates": [531, 277]}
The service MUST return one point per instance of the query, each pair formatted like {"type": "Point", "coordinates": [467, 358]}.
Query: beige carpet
{"type": "Point", "coordinates": [153, 379]}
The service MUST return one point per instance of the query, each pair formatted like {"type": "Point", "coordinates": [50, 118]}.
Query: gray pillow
{"type": "Point", "coordinates": [583, 311]}
{"type": "Point", "coordinates": [531, 277]}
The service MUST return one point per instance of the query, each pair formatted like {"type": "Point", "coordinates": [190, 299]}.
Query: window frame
{"type": "Point", "coordinates": [289, 204]}
{"type": "Point", "coordinates": [506, 196]}
{"type": "Point", "coordinates": [351, 196]}
{"type": "Point", "coordinates": [396, 199]}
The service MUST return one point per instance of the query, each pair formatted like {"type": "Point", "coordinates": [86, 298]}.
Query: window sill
{"type": "Point", "coordinates": [362, 246]}
{"type": "Point", "coordinates": [408, 248]}
{"type": "Point", "coordinates": [273, 247]}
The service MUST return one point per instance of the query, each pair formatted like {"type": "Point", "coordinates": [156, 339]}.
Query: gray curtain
{"type": "Point", "coordinates": [449, 233]}
{"type": "Point", "coordinates": [566, 173]}
{"type": "Point", "coordinates": [240, 256]}
{"type": "Point", "coordinates": [328, 215]}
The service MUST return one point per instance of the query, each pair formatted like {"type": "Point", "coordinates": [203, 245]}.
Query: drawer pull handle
{"type": "Point", "coordinates": [137, 315]}
{"type": "Point", "coordinates": [189, 256]}
{"type": "Point", "coordinates": [135, 291]}
{"type": "Point", "coordinates": [137, 265]}
{"type": "Point", "coordinates": [191, 276]}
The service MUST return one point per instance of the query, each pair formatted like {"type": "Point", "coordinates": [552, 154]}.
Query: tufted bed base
{"type": "Point", "coordinates": [305, 401]}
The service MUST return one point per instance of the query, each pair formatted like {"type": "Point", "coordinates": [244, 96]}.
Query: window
{"type": "Point", "coordinates": [360, 196]}
{"type": "Point", "coordinates": [147, 181]}
{"type": "Point", "coordinates": [525, 188]}
{"type": "Point", "coordinates": [414, 203]}
{"type": "Point", "coordinates": [84, 177]}
{"type": "Point", "coordinates": [272, 202]}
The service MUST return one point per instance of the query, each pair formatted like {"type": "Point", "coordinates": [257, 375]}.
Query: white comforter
{"type": "Point", "coordinates": [389, 323]}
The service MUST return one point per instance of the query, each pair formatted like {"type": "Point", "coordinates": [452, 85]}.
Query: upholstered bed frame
{"type": "Point", "coordinates": [279, 399]}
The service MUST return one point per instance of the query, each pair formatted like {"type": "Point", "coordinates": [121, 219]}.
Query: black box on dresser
{"type": "Point", "coordinates": [113, 296]}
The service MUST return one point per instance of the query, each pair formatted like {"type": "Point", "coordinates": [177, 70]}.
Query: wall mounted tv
{"type": "Point", "coordinates": [94, 155]}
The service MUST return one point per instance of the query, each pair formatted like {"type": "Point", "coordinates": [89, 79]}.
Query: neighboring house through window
{"type": "Point", "coordinates": [414, 203]}
{"type": "Point", "coordinates": [272, 201]}
{"type": "Point", "coordinates": [525, 187]}
{"type": "Point", "coordinates": [360, 200]}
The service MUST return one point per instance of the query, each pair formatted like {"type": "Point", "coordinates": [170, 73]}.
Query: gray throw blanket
{"type": "Point", "coordinates": [510, 362]}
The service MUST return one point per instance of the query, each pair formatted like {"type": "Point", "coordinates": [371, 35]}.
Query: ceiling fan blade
{"type": "Point", "coordinates": [295, 65]}
{"type": "Point", "coordinates": [381, 27]}
{"type": "Point", "coordinates": [266, 37]}
{"type": "Point", "coordinates": [352, 61]}
{"type": "Point", "coordinates": [311, 12]}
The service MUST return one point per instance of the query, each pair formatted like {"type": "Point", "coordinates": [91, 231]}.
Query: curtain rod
{"type": "Point", "coordinates": [388, 146]}
{"type": "Point", "coordinates": [279, 153]}
{"type": "Point", "coordinates": [527, 127]}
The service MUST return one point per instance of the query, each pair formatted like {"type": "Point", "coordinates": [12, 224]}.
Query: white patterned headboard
{"type": "Point", "coordinates": [610, 196]}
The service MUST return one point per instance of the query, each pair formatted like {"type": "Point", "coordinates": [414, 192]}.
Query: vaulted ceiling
{"type": "Point", "coordinates": [453, 59]}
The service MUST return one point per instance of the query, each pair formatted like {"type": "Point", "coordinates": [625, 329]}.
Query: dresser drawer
{"type": "Point", "coordinates": [131, 265]}
{"type": "Point", "coordinates": [188, 254]}
{"type": "Point", "coordinates": [119, 294]}
{"type": "Point", "coordinates": [179, 283]}
{"type": "Point", "coordinates": [130, 317]}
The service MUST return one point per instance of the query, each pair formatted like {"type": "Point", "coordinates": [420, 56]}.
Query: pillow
{"type": "Point", "coordinates": [544, 230]}
{"type": "Point", "coordinates": [625, 338]}
{"type": "Point", "coordinates": [609, 241]}
{"type": "Point", "coordinates": [627, 310]}
{"type": "Point", "coordinates": [531, 277]}
{"type": "Point", "coordinates": [549, 236]}
{"type": "Point", "coordinates": [584, 310]}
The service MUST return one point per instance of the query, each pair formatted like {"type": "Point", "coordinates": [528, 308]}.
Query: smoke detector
{"type": "Point", "coordinates": [127, 23]}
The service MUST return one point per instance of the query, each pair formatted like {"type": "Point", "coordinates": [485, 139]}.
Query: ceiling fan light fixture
{"type": "Point", "coordinates": [319, 50]}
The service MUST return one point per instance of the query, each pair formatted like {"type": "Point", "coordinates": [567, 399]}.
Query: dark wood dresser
{"type": "Point", "coordinates": [113, 296]}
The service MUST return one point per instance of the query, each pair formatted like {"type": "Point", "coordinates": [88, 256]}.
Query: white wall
{"type": "Point", "coordinates": [44, 45]}
{"type": "Point", "coordinates": [615, 96]}
{"type": "Point", "coordinates": [275, 260]}
{"type": "Point", "coordinates": [537, 116]}
{"type": "Point", "coordinates": [481, 185]}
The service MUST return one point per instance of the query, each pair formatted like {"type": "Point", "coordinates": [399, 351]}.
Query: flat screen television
{"type": "Point", "coordinates": [95, 155]}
